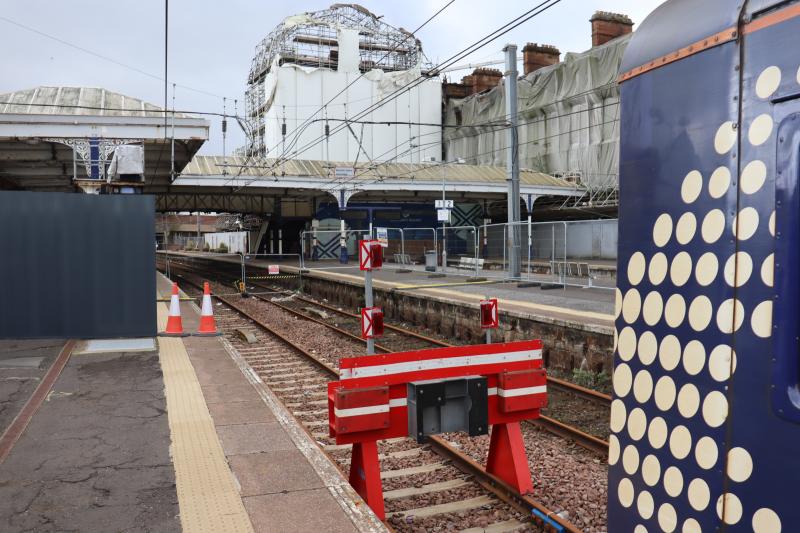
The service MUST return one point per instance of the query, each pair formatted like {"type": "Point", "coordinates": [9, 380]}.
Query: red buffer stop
{"type": "Point", "coordinates": [374, 400]}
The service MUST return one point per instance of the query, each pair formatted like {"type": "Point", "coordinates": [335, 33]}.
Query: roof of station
{"type": "Point", "coordinates": [208, 166]}
{"type": "Point", "coordinates": [95, 101]}
{"type": "Point", "coordinates": [45, 131]}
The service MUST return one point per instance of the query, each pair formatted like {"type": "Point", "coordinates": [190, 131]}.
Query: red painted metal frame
{"type": "Point", "coordinates": [507, 459]}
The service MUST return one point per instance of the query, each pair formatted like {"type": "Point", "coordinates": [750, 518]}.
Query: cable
{"type": "Point", "coordinates": [434, 165]}
{"type": "Point", "coordinates": [134, 112]}
{"type": "Point", "coordinates": [103, 57]}
{"type": "Point", "coordinates": [505, 126]}
{"type": "Point", "coordinates": [480, 43]}
{"type": "Point", "coordinates": [304, 125]}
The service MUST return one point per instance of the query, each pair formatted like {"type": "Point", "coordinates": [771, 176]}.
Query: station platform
{"type": "Point", "coordinates": [171, 434]}
{"type": "Point", "coordinates": [584, 309]}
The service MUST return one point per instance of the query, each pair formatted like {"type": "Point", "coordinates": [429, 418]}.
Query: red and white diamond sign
{"type": "Point", "coordinates": [371, 322]}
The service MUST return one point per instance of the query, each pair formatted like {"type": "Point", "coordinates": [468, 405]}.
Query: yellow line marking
{"type": "Point", "coordinates": [207, 495]}
{"type": "Point", "coordinates": [434, 285]}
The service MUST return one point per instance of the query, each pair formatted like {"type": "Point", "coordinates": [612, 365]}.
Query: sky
{"type": "Point", "coordinates": [211, 43]}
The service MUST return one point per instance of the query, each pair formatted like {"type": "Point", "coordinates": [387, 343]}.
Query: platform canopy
{"type": "Point", "coordinates": [235, 176]}
{"type": "Point", "coordinates": [47, 134]}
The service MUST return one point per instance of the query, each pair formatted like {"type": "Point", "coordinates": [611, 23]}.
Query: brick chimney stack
{"type": "Point", "coordinates": [536, 56]}
{"type": "Point", "coordinates": [482, 79]}
{"type": "Point", "coordinates": [607, 26]}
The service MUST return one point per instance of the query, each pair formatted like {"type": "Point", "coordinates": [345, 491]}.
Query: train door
{"type": "Point", "coordinates": [762, 459]}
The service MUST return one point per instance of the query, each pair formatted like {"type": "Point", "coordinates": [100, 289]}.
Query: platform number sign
{"type": "Point", "coordinates": [370, 255]}
{"type": "Point", "coordinates": [489, 314]}
{"type": "Point", "coordinates": [371, 322]}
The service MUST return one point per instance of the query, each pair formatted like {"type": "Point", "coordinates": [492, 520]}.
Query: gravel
{"type": "Point", "coordinates": [566, 477]}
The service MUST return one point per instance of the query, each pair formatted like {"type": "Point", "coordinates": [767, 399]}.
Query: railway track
{"type": "Point", "coordinates": [433, 486]}
{"type": "Point", "coordinates": [402, 339]}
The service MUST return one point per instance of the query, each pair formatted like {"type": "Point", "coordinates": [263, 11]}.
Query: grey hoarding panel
{"type": "Point", "coordinates": [76, 265]}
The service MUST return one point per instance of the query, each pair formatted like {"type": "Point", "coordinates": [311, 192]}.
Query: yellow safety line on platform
{"type": "Point", "coordinates": [207, 495]}
{"type": "Point", "coordinates": [454, 284]}
{"type": "Point", "coordinates": [445, 292]}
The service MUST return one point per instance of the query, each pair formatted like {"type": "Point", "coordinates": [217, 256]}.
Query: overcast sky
{"type": "Point", "coordinates": [211, 43]}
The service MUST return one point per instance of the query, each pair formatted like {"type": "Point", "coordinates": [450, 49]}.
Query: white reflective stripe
{"type": "Point", "coordinates": [492, 391]}
{"type": "Point", "coordinates": [435, 364]}
{"type": "Point", "coordinates": [174, 306]}
{"type": "Point", "coordinates": [207, 310]}
{"type": "Point", "coordinates": [372, 409]}
{"type": "Point", "coordinates": [524, 391]}
{"type": "Point", "coordinates": [360, 411]}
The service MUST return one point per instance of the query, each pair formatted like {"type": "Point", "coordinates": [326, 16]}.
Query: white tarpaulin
{"type": "Point", "coordinates": [568, 119]}
{"type": "Point", "coordinates": [128, 159]}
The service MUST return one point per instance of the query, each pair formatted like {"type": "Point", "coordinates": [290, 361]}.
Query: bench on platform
{"type": "Point", "coordinates": [469, 263]}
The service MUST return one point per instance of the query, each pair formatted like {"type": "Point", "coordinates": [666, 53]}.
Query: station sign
{"type": "Point", "coordinates": [273, 269]}
{"type": "Point", "coordinates": [344, 172]}
{"type": "Point", "coordinates": [445, 204]}
{"type": "Point", "coordinates": [371, 322]}
{"type": "Point", "coordinates": [370, 255]}
{"type": "Point", "coordinates": [490, 317]}
{"type": "Point", "coordinates": [383, 236]}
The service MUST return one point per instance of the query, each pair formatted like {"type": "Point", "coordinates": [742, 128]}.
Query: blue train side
{"type": "Point", "coordinates": [706, 416]}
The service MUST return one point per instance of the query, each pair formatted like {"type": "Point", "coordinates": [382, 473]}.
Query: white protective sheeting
{"type": "Point", "coordinates": [236, 241]}
{"type": "Point", "coordinates": [297, 93]}
{"type": "Point", "coordinates": [349, 59]}
{"type": "Point", "coordinates": [127, 159]}
{"type": "Point", "coordinates": [568, 119]}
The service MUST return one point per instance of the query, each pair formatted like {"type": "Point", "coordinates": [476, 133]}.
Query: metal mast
{"type": "Point", "coordinates": [512, 161]}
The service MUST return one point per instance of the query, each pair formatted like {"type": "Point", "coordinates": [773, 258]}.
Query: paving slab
{"type": "Point", "coordinates": [253, 438]}
{"type": "Point", "coordinates": [309, 510]}
{"type": "Point", "coordinates": [274, 471]}
{"type": "Point", "coordinates": [234, 413]}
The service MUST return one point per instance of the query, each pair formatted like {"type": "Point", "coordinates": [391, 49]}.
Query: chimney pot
{"type": "Point", "coordinates": [607, 26]}
{"type": "Point", "coordinates": [536, 56]}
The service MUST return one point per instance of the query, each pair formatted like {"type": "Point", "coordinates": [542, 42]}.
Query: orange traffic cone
{"type": "Point", "coordinates": [174, 322]}
{"type": "Point", "coordinates": [208, 327]}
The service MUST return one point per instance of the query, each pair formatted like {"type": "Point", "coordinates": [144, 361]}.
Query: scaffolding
{"type": "Point", "coordinates": [311, 40]}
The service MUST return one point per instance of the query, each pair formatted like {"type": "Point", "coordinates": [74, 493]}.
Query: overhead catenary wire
{"type": "Point", "coordinates": [416, 81]}
{"type": "Point", "coordinates": [499, 127]}
{"type": "Point", "coordinates": [300, 129]}
{"type": "Point", "coordinates": [442, 163]}
{"type": "Point", "coordinates": [103, 57]}
{"type": "Point", "coordinates": [480, 43]}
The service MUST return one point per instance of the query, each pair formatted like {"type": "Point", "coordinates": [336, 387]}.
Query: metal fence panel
{"type": "Point", "coordinates": [77, 265]}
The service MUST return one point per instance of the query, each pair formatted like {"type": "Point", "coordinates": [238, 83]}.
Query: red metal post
{"type": "Point", "coordinates": [365, 475]}
{"type": "Point", "coordinates": [507, 459]}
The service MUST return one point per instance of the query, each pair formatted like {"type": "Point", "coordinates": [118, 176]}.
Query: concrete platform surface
{"type": "Point", "coordinates": [22, 365]}
{"type": "Point", "coordinates": [279, 472]}
{"type": "Point", "coordinates": [95, 457]}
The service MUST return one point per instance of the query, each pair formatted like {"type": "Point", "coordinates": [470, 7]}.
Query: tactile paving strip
{"type": "Point", "coordinates": [207, 493]}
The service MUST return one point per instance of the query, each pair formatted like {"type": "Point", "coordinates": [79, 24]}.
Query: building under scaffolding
{"type": "Point", "coordinates": [316, 78]}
